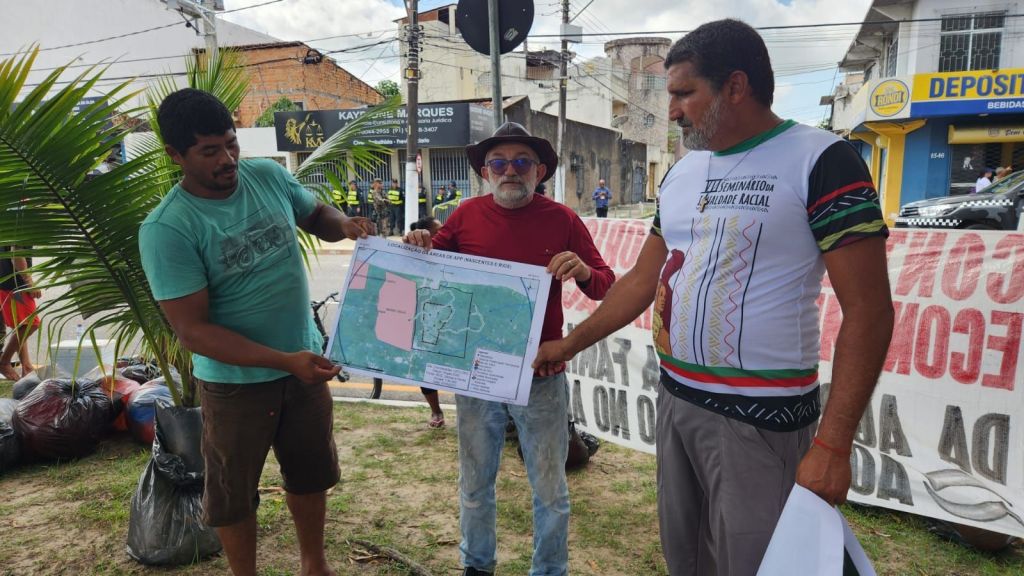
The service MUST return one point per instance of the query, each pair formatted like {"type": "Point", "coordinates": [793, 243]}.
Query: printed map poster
{"type": "Point", "coordinates": [466, 324]}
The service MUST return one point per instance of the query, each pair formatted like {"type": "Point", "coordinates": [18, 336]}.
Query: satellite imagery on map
{"type": "Point", "coordinates": [439, 319]}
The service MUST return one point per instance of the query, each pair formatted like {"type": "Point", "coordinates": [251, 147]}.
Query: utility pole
{"type": "Point", "coordinates": [563, 85]}
{"type": "Point", "coordinates": [494, 20]}
{"type": "Point", "coordinates": [412, 78]}
{"type": "Point", "coordinates": [210, 30]}
{"type": "Point", "coordinates": [205, 10]}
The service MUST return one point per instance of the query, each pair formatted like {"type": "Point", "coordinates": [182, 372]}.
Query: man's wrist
{"type": "Point", "coordinates": [281, 361]}
{"type": "Point", "coordinates": [835, 450]}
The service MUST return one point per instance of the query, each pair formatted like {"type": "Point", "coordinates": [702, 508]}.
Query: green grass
{"type": "Point", "coordinates": [399, 489]}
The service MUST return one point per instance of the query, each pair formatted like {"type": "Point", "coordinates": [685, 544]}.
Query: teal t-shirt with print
{"type": "Point", "coordinates": [244, 251]}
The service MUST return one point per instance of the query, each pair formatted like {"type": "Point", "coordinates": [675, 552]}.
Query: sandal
{"type": "Point", "coordinates": [436, 421]}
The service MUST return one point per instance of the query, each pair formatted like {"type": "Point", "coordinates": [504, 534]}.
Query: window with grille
{"type": "Point", "coordinates": [654, 82]}
{"type": "Point", "coordinates": [891, 51]}
{"type": "Point", "coordinates": [971, 42]}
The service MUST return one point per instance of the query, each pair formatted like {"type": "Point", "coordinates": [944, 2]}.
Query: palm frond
{"type": "Point", "coordinates": [346, 144]}
{"type": "Point", "coordinates": [82, 231]}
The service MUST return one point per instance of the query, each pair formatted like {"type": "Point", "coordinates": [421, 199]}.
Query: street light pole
{"type": "Point", "coordinates": [494, 21]}
{"type": "Point", "coordinates": [412, 78]}
{"type": "Point", "coordinates": [563, 85]}
{"type": "Point", "coordinates": [210, 30]}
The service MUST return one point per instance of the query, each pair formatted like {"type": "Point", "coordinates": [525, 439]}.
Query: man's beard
{"type": "Point", "coordinates": [507, 195]}
{"type": "Point", "coordinates": [695, 138]}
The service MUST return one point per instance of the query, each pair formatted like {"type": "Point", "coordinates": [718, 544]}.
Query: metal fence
{"type": "Point", "coordinates": [442, 211]}
{"type": "Point", "coordinates": [380, 170]}
{"type": "Point", "coordinates": [447, 165]}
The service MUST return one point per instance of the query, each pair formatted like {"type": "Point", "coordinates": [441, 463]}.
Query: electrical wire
{"type": "Point", "coordinates": [137, 32]}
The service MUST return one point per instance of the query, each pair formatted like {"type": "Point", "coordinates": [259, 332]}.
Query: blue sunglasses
{"type": "Point", "coordinates": [521, 165]}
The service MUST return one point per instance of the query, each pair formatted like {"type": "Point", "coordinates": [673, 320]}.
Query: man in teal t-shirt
{"type": "Point", "coordinates": [222, 258]}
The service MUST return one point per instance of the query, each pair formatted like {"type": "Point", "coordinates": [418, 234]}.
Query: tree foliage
{"type": "Point", "coordinates": [388, 88]}
{"type": "Point", "coordinates": [266, 119]}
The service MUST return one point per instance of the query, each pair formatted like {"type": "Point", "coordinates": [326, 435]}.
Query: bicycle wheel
{"type": "Point", "coordinates": [378, 384]}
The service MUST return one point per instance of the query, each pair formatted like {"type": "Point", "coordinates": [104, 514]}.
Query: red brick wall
{"type": "Point", "coordinates": [278, 72]}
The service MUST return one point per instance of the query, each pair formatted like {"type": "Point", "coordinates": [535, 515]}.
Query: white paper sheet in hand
{"type": "Point", "coordinates": [809, 540]}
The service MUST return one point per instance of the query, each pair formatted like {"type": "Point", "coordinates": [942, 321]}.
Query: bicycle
{"type": "Point", "coordinates": [343, 376]}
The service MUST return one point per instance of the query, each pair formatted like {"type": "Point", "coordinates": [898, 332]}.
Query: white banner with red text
{"type": "Point", "coordinates": [944, 434]}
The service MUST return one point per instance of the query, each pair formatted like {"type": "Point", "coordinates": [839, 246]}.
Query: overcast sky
{"type": "Point", "coordinates": [804, 59]}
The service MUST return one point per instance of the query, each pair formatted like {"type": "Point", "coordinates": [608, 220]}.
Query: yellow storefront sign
{"type": "Point", "coordinates": [889, 98]}
{"type": "Point", "coordinates": [978, 84]}
{"type": "Point", "coordinates": [985, 134]}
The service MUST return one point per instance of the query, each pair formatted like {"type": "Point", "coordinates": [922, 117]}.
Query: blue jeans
{"type": "Point", "coordinates": [544, 438]}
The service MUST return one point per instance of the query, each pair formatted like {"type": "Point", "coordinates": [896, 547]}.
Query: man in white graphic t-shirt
{"type": "Point", "coordinates": [747, 224]}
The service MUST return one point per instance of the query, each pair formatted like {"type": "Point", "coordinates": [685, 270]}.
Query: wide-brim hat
{"type": "Point", "coordinates": [509, 133]}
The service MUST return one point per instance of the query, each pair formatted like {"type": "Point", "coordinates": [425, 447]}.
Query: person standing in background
{"type": "Point", "coordinates": [18, 301]}
{"type": "Point", "coordinates": [602, 195]}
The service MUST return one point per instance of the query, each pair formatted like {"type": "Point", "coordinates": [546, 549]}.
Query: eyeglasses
{"type": "Point", "coordinates": [520, 165]}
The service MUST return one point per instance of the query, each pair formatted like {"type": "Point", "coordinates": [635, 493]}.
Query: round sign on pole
{"type": "Point", "coordinates": [515, 18]}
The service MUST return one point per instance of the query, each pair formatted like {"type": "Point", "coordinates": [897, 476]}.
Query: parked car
{"type": "Point", "coordinates": [997, 207]}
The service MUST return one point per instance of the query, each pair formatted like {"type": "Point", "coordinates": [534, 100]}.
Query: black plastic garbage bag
{"type": "Point", "coordinates": [7, 407]}
{"type": "Point", "coordinates": [165, 526]}
{"type": "Point", "coordinates": [62, 419]}
{"type": "Point", "coordinates": [10, 447]}
{"type": "Point", "coordinates": [581, 445]}
{"type": "Point", "coordinates": [28, 382]}
{"type": "Point", "coordinates": [142, 372]}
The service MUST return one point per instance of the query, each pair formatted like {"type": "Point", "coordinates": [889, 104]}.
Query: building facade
{"type": "Point", "coordinates": [301, 74]}
{"type": "Point", "coordinates": [139, 41]}
{"type": "Point", "coordinates": [446, 128]}
{"type": "Point", "coordinates": [934, 96]}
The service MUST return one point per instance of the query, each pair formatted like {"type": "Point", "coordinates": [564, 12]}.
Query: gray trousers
{"type": "Point", "coordinates": [721, 487]}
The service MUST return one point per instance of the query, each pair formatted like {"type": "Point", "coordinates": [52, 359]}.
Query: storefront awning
{"type": "Point", "coordinates": [985, 134]}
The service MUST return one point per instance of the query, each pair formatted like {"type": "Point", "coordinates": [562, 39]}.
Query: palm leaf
{"type": "Point", "coordinates": [82, 231]}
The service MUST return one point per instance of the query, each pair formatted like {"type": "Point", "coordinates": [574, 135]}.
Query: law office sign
{"type": "Point", "coordinates": [439, 125]}
{"type": "Point", "coordinates": [971, 92]}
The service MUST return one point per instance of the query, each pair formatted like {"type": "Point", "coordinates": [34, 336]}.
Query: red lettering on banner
{"type": "Point", "coordinates": [962, 271]}
{"type": "Point", "coordinates": [614, 240]}
{"type": "Point", "coordinates": [932, 336]}
{"type": "Point", "coordinates": [831, 319]}
{"type": "Point", "coordinates": [901, 349]}
{"type": "Point", "coordinates": [637, 234]}
{"type": "Point", "coordinates": [896, 238]}
{"type": "Point", "coordinates": [1009, 345]}
{"type": "Point", "coordinates": [1003, 289]}
{"type": "Point", "coordinates": [921, 263]}
{"type": "Point", "coordinates": [966, 368]}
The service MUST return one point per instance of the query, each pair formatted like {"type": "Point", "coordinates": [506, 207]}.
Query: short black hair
{"type": "Point", "coordinates": [719, 48]}
{"type": "Point", "coordinates": [190, 112]}
{"type": "Point", "coordinates": [425, 223]}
